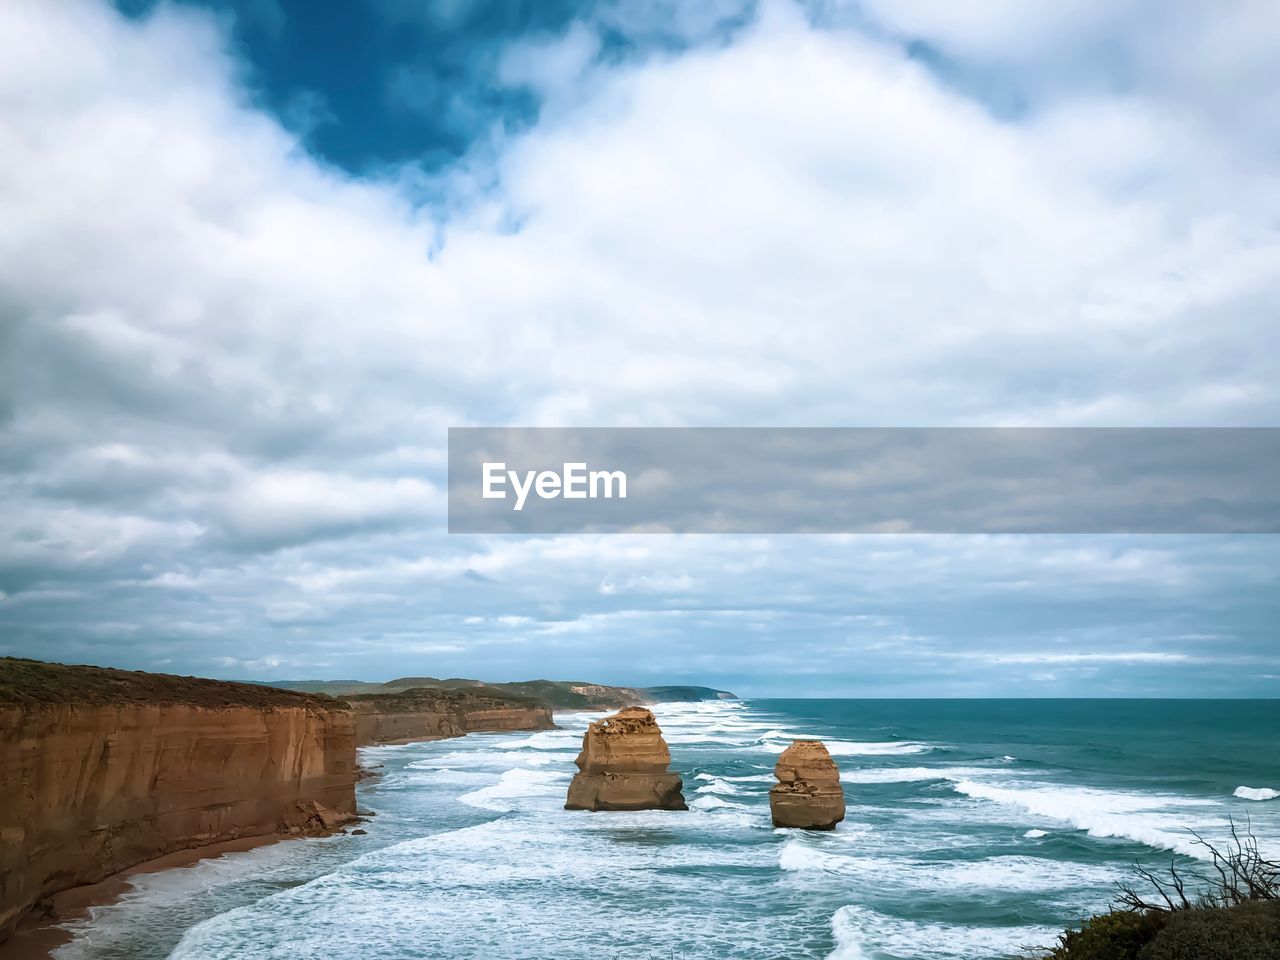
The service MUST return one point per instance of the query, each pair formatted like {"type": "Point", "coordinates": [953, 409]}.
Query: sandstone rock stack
{"type": "Point", "coordinates": [808, 794]}
{"type": "Point", "coordinates": [623, 766]}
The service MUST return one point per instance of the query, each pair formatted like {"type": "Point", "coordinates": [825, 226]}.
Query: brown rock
{"type": "Point", "coordinates": [426, 714]}
{"type": "Point", "coordinates": [104, 769]}
{"type": "Point", "coordinates": [808, 794]}
{"type": "Point", "coordinates": [623, 766]}
{"type": "Point", "coordinates": [311, 819]}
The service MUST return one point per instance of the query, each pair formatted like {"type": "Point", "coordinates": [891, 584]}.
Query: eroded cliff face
{"type": "Point", "coordinates": [91, 789]}
{"type": "Point", "coordinates": [510, 718]}
{"type": "Point", "coordinates": [434, 715]}
{"type": "Point", "coordinates": [376, 724]}
{"type": "Point", "coordinates": [623, 766]}
{"type": "Point", "coordinates": [808, 794]}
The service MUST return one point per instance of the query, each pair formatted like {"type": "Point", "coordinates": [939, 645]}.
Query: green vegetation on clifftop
{"type": "Point", "coordinates": [26, 682]}
{"type": "Point", "coordinates": [31, 683]}
{"type": "Point", "coordinates": [436, 699]}
{"type": "Point", "coordinates": [557, 694]}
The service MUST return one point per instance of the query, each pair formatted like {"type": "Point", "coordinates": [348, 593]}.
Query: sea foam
{"type": "Point", "coordinates": [1154, 820]}
{"type": "Point", "coordinates": [746, 778]}
{"type": "Point", "coordinates": [709, 802]}
{"type": "Point", "coordinates": [1256, 793]}
{"type": "Point", "coordinates": [911, 876]}
{"type": "Point", "coordinates": [912, 774]}
{"type": "Point", "coordinates": [861, 934]}
{"type": "Point", "coordinates": [718, 786]}
{"type": "Point", "coordinates": [515, 784]}
{"type": "Point", "coordinates": [776, 741]}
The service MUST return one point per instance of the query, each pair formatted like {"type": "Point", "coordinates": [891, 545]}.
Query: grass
{"type": "Point", "coordinates": [34, 683]}
{"type": "Point", "coordinates": [442, 699]}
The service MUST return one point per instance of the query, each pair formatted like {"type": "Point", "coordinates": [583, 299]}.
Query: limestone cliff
{"type": "Point", "coordinates": [623, 766]}
{"type": "Point", "coordinates": [436, 714]}
{"type": "Point", "coordinates": [557, 694]}
{"type": "Point", "coordinates": [808, 794]}
{"type": "Point", "coordinates": [103, 769]}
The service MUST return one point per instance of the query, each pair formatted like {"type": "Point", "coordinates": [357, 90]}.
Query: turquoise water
{"type": "Point", "coordinates": [974, 828]}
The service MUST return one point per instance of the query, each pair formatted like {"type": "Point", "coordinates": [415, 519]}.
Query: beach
{"type": "Point", "coordinates": [38, 937]}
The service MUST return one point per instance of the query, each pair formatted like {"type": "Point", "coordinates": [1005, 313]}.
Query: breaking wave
{"type": "Point", "coordinates": [1256, 793]}
{"type": "Point", "coordinates": [863, 934]}
{"type": "Point", "coordinates": [911, 774]}
{"type": "Point", "coordinates": [515, 785]}
{"type": "Point", "coordinates": [775, 741]}
{"type": "Point", "coordinates": [1156, 821]}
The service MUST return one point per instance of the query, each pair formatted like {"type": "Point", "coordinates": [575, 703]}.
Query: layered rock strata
{"type": "Point", "coordinates": [808, 793]}
{"type": "Point", "coordinates": [623, 766]}
{"type": "Point", "coordinates": [104, 769]}
{"type": "Point", "coordinates": [437, 714]}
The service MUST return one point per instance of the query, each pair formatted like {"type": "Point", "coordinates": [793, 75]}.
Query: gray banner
{"type": "Point", "coordinates": [864, 480]}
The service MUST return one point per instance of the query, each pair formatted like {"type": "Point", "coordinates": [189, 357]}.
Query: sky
{"type": "Point", "coordinates": [257, 256]}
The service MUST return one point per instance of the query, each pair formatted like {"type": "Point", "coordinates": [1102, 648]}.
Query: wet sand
{"type": "Point", "coordinates": [37, 937]}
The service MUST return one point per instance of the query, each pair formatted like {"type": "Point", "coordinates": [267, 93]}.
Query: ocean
{"type": "Point", "coordinates": [974, 829]}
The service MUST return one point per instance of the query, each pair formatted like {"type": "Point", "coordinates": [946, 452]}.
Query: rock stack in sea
{"type": "Point", "coordinates": [623, 766]}
{"type": "Point", "coordinates": [808, 793]}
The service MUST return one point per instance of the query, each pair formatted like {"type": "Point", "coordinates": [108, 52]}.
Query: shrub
{"type": "Point", "coordinates": [1229, 911]}
{"type": "Point", "coordinates": [1246, 931]}
{"type": "Point", "coordinates": [1118, 935]}
{"type": "Point", "coordinates": [1240, 874]}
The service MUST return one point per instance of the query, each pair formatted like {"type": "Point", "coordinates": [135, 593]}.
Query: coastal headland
{"type": "Point", "coordinates": [109, 771]}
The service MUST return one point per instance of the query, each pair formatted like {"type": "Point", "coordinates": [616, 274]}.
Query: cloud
{"type": "Point", "coordinates": [226, 367]}
{"type": "Point", "coordinates": [269, 508]}
{"type": "Point", "coordinates": [1180, 56]}
{"type": "Point", "coordinates": [1133, 656]}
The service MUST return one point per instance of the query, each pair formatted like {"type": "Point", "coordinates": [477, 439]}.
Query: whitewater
{"type": "Point", "coordinates": [973, 831]}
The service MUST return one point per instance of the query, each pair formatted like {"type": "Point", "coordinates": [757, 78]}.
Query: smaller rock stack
{"type": "Point", "coordinates": [808, 794]}
{"type": "Point", "coordinates": [623, 766]}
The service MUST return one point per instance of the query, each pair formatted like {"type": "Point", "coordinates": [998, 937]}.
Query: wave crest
{"type": "Point", "coordinates": [1145, 819]}
{"type": "Point", "coordinates": [1256, 793]}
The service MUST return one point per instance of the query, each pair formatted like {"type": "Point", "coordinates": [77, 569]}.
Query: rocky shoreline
{"type": "Point", "coordinates": [106, 770]}
{"type": "Point", "coordinates": [103, 770]}
{"type": "Point", "coordinates": [42, 930]}
{"type": "Point", "coordinates": [110, 773]}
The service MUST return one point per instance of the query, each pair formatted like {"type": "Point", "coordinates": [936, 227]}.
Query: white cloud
{"type": "Point", "coordinates": [296, 506]}
{"type": "Point", "coordinates": [227, 368]}
{"type": "Point", "coordinates": [1122, 656]}
{"type": "Point", "coordinates": [1215, 62]}
{"type": "Point", "coordinates": [1006, 29]}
